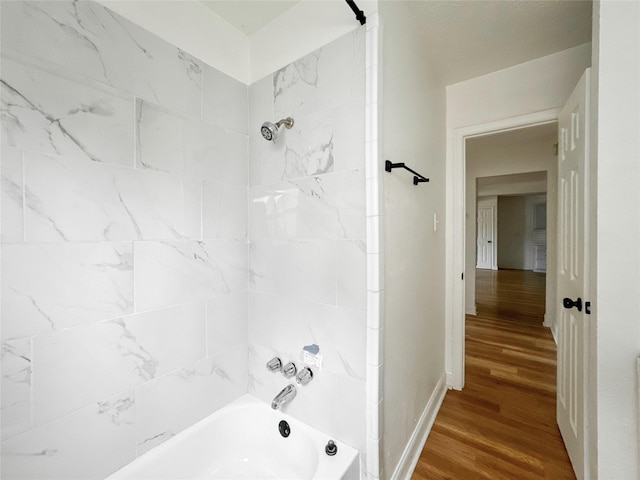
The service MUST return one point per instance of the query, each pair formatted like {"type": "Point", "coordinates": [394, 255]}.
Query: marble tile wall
{"type": "Point", "coordinates": [307, 235]}
{"type": "Point", "coordinates": [124, 170]}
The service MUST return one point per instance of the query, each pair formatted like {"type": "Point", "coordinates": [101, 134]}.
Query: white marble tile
{"type": "Point", "coordinates": [224, 100]}
{"type": "Point", "coordinates": [324, 206]}
{"type": "Point", "coordinates": [374, 164]}
{"type": "Point", "coordinates": [10, 28]}
{"type": "Point", "coordinates": [73, 200]}
{"type": "Point", "coordinates": [352, 274]}
{"type": "Point", "coordinates": [16, 387]}
{"type": "Point", "coordinates": [263, 384]}
{"type": "Point", "coordinates": [224, 211]}
{"type": "Point", "coordinates": [226, 322]}
{"type": "Point", "coordinates": [375, 422]}
{"type": "Point", "coordinates": [351, 426]}
{"type": "Point", "coordinates": [266, 159]}
{"type": "Point", "coordinates": [78, 366]}
{"type": "Point", "coordinates": [89, 39]}
{"type": "Point", "coordinates": [53, 112]}
{"type": "Point", "coordinates": [12, 195]}
{"type": "Point", "coordinates": [261, 104]}
{"type": "Point", "coordinates": [375, 309]}
{"type": "Point", "coordinates": [168, 273]}
{"type": "Point", "coordinates": [327, 77]}
{"type": "Point", "coordinates": [90, 443]}
{"type": "Point", "coordinates": [373, 461]}
{"type": "Point", "coordinates": [375, 280]}
{"type": "Point", "coordinates": [349, 135]}
{"type": "Point", "coordinates": [213, 153]}
{"type": "Point", "coordinates": [303, 269]}
{"type": "Point", "coordinates": [304, 150]}
{"type": "Point", "coordinates": [159, 142]}
{"type": "Point", "coordinates": [192, 198]}
{"type": "Point", "coordinates": [168, 405]}
{"type": "Point", "coordinates": [372, 131]}
{"type": "Point", "coordinates": [374, 197]}
{"type": "Point", "coordinates": [54, 286]}
{"type": "Point", "coordinates": [296, 324]}
{"type": "Point", "coordinates": [375, 383]}
{"type": "Point", "coordinates": [339, 332]}
{"type": "Point", "coordinates": [260, 313]}
{"type": "Point", "coordinates": [374, 234]}
{"type": "Point", "coordinates": [375, 345]}
{"type": "Point", "coordinates": [342, 339]}
{"type": "Point", "coordinates": [316, 402]}
{"type": "Point", "coordinates": [309, 146]}
{"type": "Point", "coordinates": [316, 144]}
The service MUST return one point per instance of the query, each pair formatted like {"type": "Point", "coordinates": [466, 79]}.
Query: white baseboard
{"type": "Point", "coordinates": [470, 310]}
{"type": "Point", "coordinates": [411, 454]}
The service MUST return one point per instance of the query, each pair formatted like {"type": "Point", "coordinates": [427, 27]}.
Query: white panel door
{"type": "Point", "coordinates": [485, 238]}
{"type": "Point", "coordinates": [573, 271]}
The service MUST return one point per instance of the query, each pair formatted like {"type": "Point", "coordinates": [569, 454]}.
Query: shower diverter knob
{"type": "Point", "coordinates": [304, 376]}
{"type": "Point", "coordinates": [289, 370]}
{"type": "Point", "coordinates": [274, 365]}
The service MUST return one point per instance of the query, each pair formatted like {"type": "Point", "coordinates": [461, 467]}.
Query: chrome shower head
{"type": "Point", "coordinates": [270, 130]}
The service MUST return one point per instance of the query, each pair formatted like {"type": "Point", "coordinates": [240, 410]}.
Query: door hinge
{"type": "Point", "coordinates": [587, 308]}
{"type": "Point", "coordinates": [462, 275]}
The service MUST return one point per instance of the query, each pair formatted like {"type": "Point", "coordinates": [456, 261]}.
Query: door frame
{"type": "Point", "coordinates": [455, 232]}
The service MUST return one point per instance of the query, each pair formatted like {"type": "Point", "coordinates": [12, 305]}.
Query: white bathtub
{"type": "Point", "coordinates": [242, 441]}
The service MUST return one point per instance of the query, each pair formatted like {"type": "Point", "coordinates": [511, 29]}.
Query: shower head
{"type": "Point", "coordinates": [270, 130]}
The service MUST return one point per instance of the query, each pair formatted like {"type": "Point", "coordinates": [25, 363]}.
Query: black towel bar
{"type": "Point", "coordinates": [388, 166]}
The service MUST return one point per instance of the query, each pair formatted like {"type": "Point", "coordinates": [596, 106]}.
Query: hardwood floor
{"type": "Point", "coordinates": [502, 424]}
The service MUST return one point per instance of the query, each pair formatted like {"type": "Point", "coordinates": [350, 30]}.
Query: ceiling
{"type": "Point", "coordinates": [462, 38]}
{"type": "Point", "coordinates": [465, 39]}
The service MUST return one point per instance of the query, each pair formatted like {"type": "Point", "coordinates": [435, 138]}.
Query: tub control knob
{"type": "Point", "coordinates": [331, 449]}
{"type": "Point", "coordinates": [274, 365]}
{"type": "Point", "coordinates": [304, 376]}
{"type": "Point", "coordinates": [289, 370]}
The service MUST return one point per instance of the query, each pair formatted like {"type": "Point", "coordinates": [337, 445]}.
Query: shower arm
{"type": "Point", "coordinates": [287, 122]}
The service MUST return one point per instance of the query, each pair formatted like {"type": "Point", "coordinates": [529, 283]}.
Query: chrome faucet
{"type": "Point", "coordinates": [287, 394]}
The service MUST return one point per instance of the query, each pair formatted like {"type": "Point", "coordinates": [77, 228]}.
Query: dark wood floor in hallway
{"type": "Point", "coordinates": [502, 424]}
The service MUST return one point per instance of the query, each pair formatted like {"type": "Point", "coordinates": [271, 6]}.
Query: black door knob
{"type": "Point", "coordinates": [568, 303]}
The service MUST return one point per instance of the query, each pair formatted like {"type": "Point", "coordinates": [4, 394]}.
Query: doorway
{"type": "Point", "coordinates": [511, 178]}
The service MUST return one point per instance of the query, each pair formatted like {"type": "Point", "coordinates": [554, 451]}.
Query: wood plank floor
{"type": "Point", "coordinates": [502, 424]}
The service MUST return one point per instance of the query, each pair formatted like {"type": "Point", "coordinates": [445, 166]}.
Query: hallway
{"type": "Point", "coordinates": [502, 424]}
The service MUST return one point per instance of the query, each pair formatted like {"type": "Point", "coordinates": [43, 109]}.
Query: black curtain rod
{"type": "Point", "coordinates": [359, 13]}
{"type": "Point", "coordinates": [417, 178]}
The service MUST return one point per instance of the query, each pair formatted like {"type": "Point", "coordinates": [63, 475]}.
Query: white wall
{"type": "Point", "coordinates": [516, 236]}
{"type": "Point", "coordinates": [512, 232]}
{"type": "Point", "coordinates": [412, 132]}
{"type": "Point", "coordinates": [616, 276]}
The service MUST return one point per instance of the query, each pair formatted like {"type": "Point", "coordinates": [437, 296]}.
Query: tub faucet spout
{"type": "Point", "coordinates": [287, 394]}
